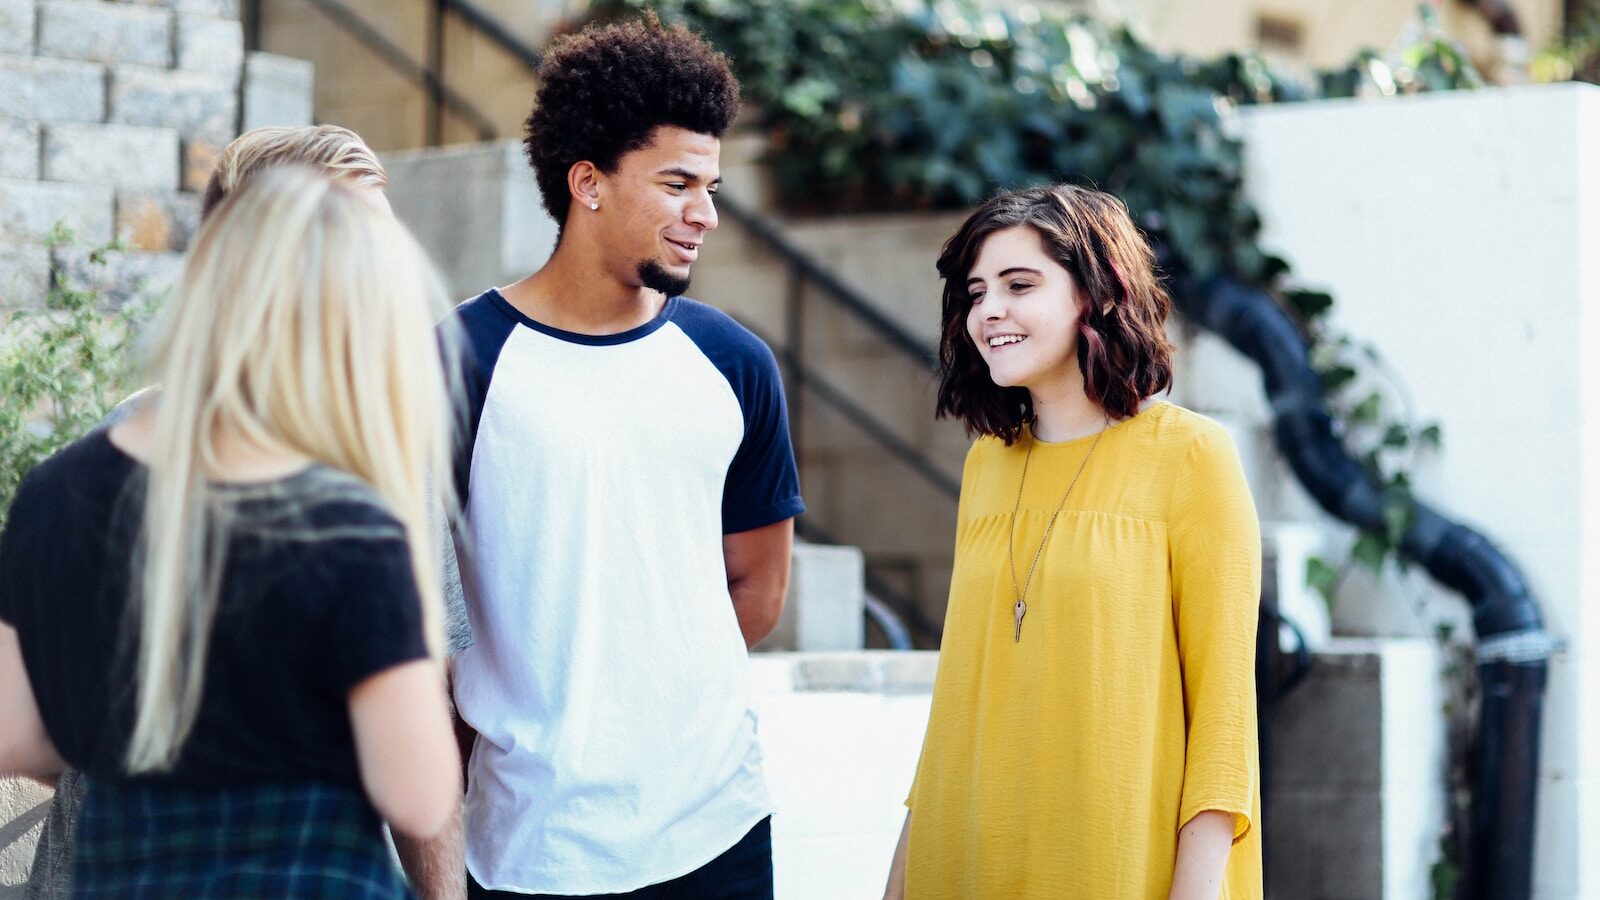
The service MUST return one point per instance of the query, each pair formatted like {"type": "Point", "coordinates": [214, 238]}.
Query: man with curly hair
{"type": "Point", "coordinates": [629, 490]}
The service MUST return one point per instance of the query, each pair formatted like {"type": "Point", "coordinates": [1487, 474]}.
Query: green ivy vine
{"type": "Point", "coordinates": [63, 365]}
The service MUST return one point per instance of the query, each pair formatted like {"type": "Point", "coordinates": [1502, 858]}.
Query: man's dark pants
{"type": "Point", "coordinates": [744, 872]}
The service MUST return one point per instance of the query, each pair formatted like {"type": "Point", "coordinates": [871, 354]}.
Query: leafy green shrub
{"type": "Point", "coordinates": [62, 367]}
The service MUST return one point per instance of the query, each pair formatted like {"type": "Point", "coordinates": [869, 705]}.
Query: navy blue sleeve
{"type": "Point", "coordinates": [763, 484]}
{"type": "Point", "coordinates": [480, 327]}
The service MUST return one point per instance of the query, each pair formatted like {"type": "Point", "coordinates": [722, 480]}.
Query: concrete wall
{"type": "Point", "coordinates": [1331, 31]}
{"type": "Point", "coordinates": [1355, 805]}
{"type": "Point", "coordinates": [475, 209]}
{"type": "Point", "coordinates": [21, 821]}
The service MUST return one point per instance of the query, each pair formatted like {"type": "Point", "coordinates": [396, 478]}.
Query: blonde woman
{"type": "Point", "coordinates": [338, 153]}
{"type": "Point", "coordinates": [218, 609]}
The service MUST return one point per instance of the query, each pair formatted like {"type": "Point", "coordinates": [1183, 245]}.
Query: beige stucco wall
{"type": "Point", "coordinates": [1333, 30]}
{"type": "Point", "coordinates": [356, 88]}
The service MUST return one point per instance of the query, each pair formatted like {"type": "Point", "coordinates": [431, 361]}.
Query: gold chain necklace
{"type": "Point", "coordinates": [1021, 607]}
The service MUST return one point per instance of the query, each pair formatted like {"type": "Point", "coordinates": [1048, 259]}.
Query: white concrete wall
{"type": "Point", "coordinates": [1459, 233]}
{"type": "Point", "coordinates": [21, 821]}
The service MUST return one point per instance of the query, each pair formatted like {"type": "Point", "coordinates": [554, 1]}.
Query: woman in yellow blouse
{"type": "Point", "coordinates": [1093, 731]}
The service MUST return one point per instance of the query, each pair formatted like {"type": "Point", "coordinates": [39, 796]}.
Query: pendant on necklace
{"type": "Point", "coordinates": [1021, 610]}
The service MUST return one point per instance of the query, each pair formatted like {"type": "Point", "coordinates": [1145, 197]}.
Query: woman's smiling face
{"type": "Point", "coordinates": [1024, 312]}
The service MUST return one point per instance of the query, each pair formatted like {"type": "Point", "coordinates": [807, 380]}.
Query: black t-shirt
{"type": "Point", "coordinates": [316, 595]}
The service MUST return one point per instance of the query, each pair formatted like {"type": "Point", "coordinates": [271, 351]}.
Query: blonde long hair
{"type": "Point", "coordinates": [305, 322]}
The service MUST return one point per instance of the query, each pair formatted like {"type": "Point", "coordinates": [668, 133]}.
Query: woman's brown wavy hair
{"type": "Point", "coordinates": [1123, 349]}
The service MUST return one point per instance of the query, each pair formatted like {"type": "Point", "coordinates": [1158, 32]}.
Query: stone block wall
{"type": "Point", "coordinates": [112, 115]}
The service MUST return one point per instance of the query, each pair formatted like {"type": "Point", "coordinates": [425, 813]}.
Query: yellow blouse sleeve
{"type": "Point", "coordinates": [1215, 549]}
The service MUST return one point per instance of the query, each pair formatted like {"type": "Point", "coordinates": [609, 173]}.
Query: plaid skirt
{"type": "Point", "coordinates": [280, 840]}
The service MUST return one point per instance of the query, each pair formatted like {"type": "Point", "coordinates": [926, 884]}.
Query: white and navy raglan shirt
{"type": "Point", "coordinates": [608, 681]}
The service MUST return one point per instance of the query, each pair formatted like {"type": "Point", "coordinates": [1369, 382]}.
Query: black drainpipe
{"type": "Point", "coordinates": [1513, 649]}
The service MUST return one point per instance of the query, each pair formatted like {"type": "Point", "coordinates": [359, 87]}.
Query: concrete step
{"type": "Point", "coordinates": [826, 605]}
{"type": "Point", "coordinates": [1355, 762]}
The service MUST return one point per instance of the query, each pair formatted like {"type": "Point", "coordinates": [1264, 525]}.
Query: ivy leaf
{"type": "Point", "coordinates": [1322, 578]}
{"type": "Point", "coordinates": [1337, 377]}
{"type": "Point", "coordinates": [1366, 412]}
{"type": "Point", "coordinates": [1429, 436]}
{"type": "Point", "coordinates": [1370, 550]}
{"type": "Point", "coordinates": [1398, 514]}
{"type": "Point", "coordinates": [1396, 436]}
{"type": "Point", "coordinates": [1310, 305]}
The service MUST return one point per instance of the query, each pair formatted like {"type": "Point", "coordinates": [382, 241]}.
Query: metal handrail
{"type": "Point", "coordinates": [841, 294]}
{"type": "Point", "coordinates": [839, 401]}
{"type": "Point", "coordinates": [398, 59]}
{"type": "Point", "coordinates": [490, 27]}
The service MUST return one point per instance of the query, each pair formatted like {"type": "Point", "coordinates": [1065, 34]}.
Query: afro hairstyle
{"type": "Point", "coordinates": [605, 89]}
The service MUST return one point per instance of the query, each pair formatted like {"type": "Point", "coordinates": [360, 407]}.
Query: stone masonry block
{"type": "Point", "coordinates": [277, 91]}
{"type": "Point", "coordinates": [160, 221]}
{"type": "Point", "coordinates": [105, 32]}
{"type": "Point", "coordinates": [19, 149]}
{"type": "Point", "coordinates": [125, 277]}
{"type": "Point", "coordinates": [123, 156]}
{"type": "Point", "coordinates": [16, 26]}
{"type": "Point", "coordinates": [52, 90]}
{"type": "Point", "coordinates": [221, 9]}
{"type": "Point", "coordinates": [197, 104]}
{"type": "Point", "coordinates": [210, 45]}
{"type": "Point", "coordinates": [28, 210]}
{"type": "Point", "coordinates": [199, 159]}
{"type": "Point", "coordinates": [24, 275]}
